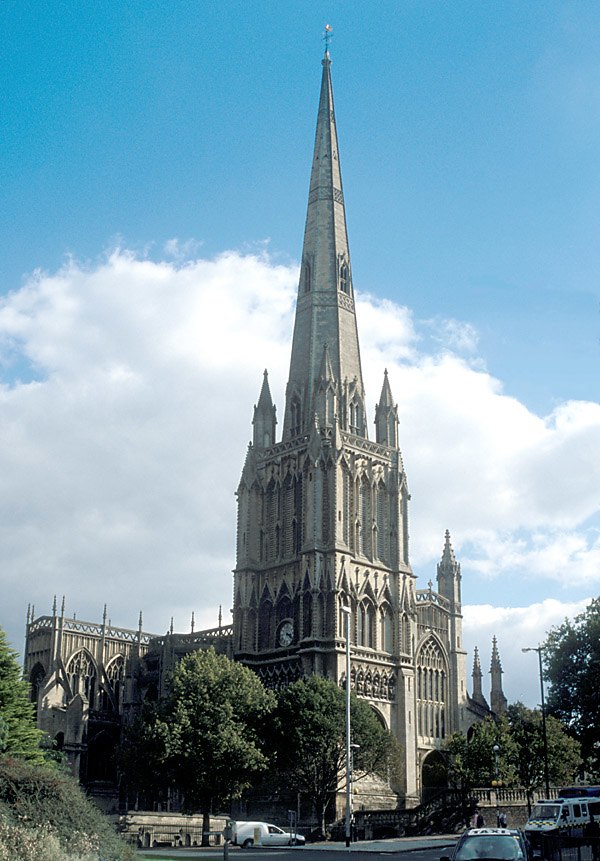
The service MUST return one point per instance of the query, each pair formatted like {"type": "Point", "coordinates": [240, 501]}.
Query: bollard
{"type": "Point", "coordinates": [227, 837]}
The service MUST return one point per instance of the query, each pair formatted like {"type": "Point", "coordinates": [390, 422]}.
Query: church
{"type": "Point", "coordinates": [322, 548]}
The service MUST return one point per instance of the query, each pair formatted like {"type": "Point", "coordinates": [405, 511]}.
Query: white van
{"type": "Point", "coordinates": [568, 817]}
{"type": "Point", "coordinates": [247, 834]}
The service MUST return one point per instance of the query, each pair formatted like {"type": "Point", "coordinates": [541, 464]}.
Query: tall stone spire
{"type": "Point", "coordinates": [478, 696]}
{"type": "Point", "coordinates": [448, 574]}
{"type": "Point", "coordinates": [325, 313]}
{"type": "Point", "coordinates": [264, 420]}
{"type": "Point", "coordinates": [386, 416]}
{"type": "Point", "coordinates": [498, 701]}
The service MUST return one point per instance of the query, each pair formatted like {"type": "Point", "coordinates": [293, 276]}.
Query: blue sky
{"type": "Point", "coordinates": [470, 139]}
{"type": "Point", "coordinates": [175, 132]}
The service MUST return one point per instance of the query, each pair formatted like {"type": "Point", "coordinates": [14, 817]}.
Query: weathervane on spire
{"type": "Point", "coordinates": [327, 36]}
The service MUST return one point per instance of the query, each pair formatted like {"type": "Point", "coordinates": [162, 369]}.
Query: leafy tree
{"type": "Point", "coordinates": [18, 733]}
{"type": "Point", "coordinates": [205, 737]}
{"type": "Point", "coordinates": [144, 753]}
{"type": "Point", "coordinates": [309, 736]}
{"type": "Point", "coordinates": [528, 754]}
{"type": "Point", "coordinates": [571, 656]}
{"type": "Point", "coordinates": [473, 762]}
{"type": "Point", "coordinates": [519, 758]}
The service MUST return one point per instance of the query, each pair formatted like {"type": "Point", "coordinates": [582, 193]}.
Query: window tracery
{"type": "Point", "coordinates": [431, 690]}
{"type": "Point", "coordinates": [344, 278]}
{"type": "Point", "coordinates": [81, 672]}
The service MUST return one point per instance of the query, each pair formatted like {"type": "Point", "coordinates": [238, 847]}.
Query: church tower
{"type": "Point", "coordinates": [323, 513]}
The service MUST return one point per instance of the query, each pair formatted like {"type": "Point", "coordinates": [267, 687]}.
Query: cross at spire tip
{"type": "Point", "coordinates": [327, 36]}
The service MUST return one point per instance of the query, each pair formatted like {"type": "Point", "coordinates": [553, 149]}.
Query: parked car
{"type": "Point", "coordinates": [247, 834]}
{"type": "Point", "coordinates": [491, 844]}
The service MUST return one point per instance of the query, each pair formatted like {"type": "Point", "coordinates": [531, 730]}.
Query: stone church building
{"type": "Point", "coordinates": [323, 528]}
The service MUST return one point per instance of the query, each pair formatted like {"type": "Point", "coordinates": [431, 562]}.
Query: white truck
{"type": "Point", "coordinates": [248, 834]}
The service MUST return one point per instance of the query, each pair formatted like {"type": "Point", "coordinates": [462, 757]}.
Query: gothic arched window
{"type": "Point", "coordinates": [287, 517]}
{"type": "Point", "coordinates": [298, 514]}
{"type": "Point", "coordinates": [355, 416]}
{"type": "Point", "coordinates": [344, 278]}
{"type": "Point", "coordinates": [365, 517]}
{"type": "Point", "coordinates": [81, 672]}
{"type": "Point", "coordinates": [381, 502]}
{"type": "Point", "coordinates": [431, 688]}
{"type": "Point", "coordinates": [387, 644]}
{"type": "Point", "coordinates": [306, 277]}
{"type": "Point", "coordinates": [265, 617]}
{"type": "Point", "coordinates": [346, 505]}
{"type": "Point", "coordinates": [284, 608]}
{"type": "Point", "coordinates": [295, 416]}
{"type": "Point", "coordinates": [325, 507]}
{"type": "Point", "coordinates": [270, 520]}
{"type": "Point", "coordinates": [248, 635]}
{"type": "Point", "coordinates": [320, 616]}
{"type": "Point", "coordinates": [365, 627]}
{"type": "Point", "coordinates": [115, 673]}
{"type": "Point", "coordinates": [36, 680]}
{"type": "Point", "coordinates": [307, 615]}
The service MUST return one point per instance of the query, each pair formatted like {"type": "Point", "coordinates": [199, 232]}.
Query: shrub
{"type": "Point", "coordinates": [44, 814]}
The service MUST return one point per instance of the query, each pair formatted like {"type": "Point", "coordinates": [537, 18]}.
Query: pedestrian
{"type": "Point", "coordinates": [502, 820]}
{"type": "Point", "coordinates": [480, 820]}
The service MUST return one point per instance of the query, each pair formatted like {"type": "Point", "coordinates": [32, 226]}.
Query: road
{"type": "Point", "coordinates": [413, 850]}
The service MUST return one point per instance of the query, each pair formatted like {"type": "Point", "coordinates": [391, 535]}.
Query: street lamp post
{"type": "Point", "coordinates": [346, 611]}
{"type": "Point", "coordinates": [353, 749]}
{"type": "Point", "coordinates": [496, 748]}
{"type": "Point", "coordinates": [538, 649]}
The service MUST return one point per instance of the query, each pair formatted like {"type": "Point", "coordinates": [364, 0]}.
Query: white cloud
{"type": "Point", "coordinates": [123, 444]}
{"type": "Point", "coordinates": [515, 628]}
{"type": "Point", "coordinates": [454, 334]}
{"type": "Point", "coordinates": [480, 463]}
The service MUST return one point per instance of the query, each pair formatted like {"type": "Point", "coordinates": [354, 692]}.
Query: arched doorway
{"type": "Point", "coordinates": [434, 775]}
{"type": "Point", "coordinates": [102, 747]}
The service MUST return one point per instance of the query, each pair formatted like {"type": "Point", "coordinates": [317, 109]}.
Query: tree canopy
{"type": "Point", "coordinates": [571, 657]}
{"type": "Point", "coordinates": [309, 738]}
{"type": "Point", "coordinates": [528, 757]}
{"type": "Point", "coordinates": [18, 733]}
{"type": "Point", "coordinates": [474, 762]}
{"type": "Point", "coordinates": [205, 736]}
{"type": "Point", "coordinates": [518, 759]}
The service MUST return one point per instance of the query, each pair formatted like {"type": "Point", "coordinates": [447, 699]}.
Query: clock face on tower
{"type": "Point", "coordinates": [286, 633]}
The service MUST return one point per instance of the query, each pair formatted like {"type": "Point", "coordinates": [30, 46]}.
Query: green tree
{"type": "Point", "coordinates": [144, 753]}
{"type": "Point", "coordinates": [510, 748]}
{"type": "Point", "coordinates": [475, 762]}
{"type": "Point", "coordinates": [571, 657]}
{"type": "Point", "coordinates": [205, 737]}
{"type": "Point", "coordinates": [308, 733]}
{"type": "Point", "coordinates": [19, 736]}
{"type": "Point", "coordinates": [528, 753]}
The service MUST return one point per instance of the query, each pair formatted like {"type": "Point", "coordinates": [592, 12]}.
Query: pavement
{"type": "Point", "coordinates": [392, 844]}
